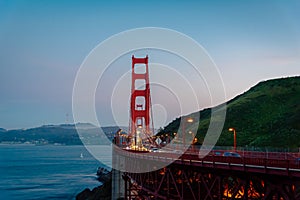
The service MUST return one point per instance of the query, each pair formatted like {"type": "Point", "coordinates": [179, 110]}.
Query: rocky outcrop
{"type": "Point", "coordinates": [102, 192]}
{"type": "Point", "coordinates": [103, 175]}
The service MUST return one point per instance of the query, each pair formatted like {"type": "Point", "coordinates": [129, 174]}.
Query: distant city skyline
{"type": "Point", "coordinates": [43, 44]}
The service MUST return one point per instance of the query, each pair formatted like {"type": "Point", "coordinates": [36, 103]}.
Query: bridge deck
{"type": "Point", "coordinates": [285, 164]}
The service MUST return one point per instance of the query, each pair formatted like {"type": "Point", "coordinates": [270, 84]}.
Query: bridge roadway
{"type": "Point", "coordinates": [259, 162]}
{"type": "Point", "coordinates": [261, 175]}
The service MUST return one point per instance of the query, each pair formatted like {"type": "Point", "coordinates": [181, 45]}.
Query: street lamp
{"type": "Point", "coordinates": [194, 139]}
{"type": "Point", "coordinates": [234, 137]}
{"type": "Point", "coordinates": [188, 120]}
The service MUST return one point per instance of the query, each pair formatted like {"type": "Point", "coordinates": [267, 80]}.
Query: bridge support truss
{"type": "Point", "coordinates": [187, 182]}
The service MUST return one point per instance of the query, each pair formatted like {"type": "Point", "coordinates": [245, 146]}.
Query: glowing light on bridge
{"type": "Point", "coordinates": [240, 194]}
{"type": "Point", "coordinates": [234, 137]}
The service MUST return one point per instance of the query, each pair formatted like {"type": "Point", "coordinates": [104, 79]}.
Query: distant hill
{"type": "Point", "coordinates": [65, 134]}
{"type": "Point", "coordinates": [267, 115]}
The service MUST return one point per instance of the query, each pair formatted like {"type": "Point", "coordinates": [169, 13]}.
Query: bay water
{"type": "Point", "coordinates": [48, 171]}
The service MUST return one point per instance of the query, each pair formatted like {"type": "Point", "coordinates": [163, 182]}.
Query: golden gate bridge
{"type": "Point", "coordinates": [185, 175]}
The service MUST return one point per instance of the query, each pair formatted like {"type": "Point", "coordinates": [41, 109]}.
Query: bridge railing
{"type": "Point", "coordinates": [259, 160]}
{"type": "Point", "coordinates": [249, 159]}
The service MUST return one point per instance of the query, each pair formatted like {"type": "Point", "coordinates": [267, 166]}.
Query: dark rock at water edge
{"type": "Point", "coordinates": [103, 174]}
{"type": "Point", "coordinates": [102, 192]}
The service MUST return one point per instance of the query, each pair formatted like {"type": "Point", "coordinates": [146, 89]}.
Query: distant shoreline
{"type": "Point", "coordinates": [63, 134]}
{"type": "Point", "coordinates": [31, 144]}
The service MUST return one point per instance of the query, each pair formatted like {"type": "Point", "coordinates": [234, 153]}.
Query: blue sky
{"type": "Point", "coordinates": [43, 43]}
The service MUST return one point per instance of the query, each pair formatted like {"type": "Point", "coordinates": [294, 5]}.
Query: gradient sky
{"type": "Point", "coordinates": [43, 43]}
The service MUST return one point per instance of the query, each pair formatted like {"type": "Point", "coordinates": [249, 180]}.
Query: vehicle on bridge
{"type": "Point", "coordinates": [231, 154]}
{"type": "Point", "coordinates": [154, 149]}
{"type": "Point", "coordinates": [297, 161]}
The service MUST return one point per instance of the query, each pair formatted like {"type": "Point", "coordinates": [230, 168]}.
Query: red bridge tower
{"type": "Point", "coordinates": [140, 103]}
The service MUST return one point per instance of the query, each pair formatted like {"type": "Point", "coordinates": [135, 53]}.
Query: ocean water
{"type": "Point", "coordinates": [47, 172]}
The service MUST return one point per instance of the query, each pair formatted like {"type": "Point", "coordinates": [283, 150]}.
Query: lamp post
{"type": "Point", "coordinates": [193, 139]}
{"type": "Point", "coordinates": [175, 136]}
{"type": "Point", "coordinates": [234, 137]}
{"type": "Point", "coordinates": [188, 120]}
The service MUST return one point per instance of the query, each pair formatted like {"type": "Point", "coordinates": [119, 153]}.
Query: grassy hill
{"type": "Point", "coordinates": [267, 115]}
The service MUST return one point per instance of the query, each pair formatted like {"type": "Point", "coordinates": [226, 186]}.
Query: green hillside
{"type": "Point", "coordinates": [267, 115]}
